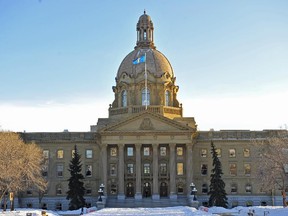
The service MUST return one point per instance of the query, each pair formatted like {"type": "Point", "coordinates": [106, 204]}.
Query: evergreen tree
{"type": "Point", "coordinates": [217, 185]}
{"type": "Point", "coordinates": [76, 189]}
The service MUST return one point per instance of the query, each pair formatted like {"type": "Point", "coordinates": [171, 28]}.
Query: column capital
{"type": "Point", "coordinates": [172, 146]}
{"type": "Point", "coordinates": [155, 145]}
{"type": "Point", "coordinates": [138, 146]}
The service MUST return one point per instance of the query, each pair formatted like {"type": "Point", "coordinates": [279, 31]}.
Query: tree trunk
{"type": "Point", "coordinates": [284, 199]}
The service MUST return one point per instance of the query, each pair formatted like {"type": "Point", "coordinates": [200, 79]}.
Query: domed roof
{"type": "Point", "coordinates": [156, 64]}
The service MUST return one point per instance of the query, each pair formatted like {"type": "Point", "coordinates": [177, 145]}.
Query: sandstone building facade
{"type": "Point", "coordinates": [146, 150]}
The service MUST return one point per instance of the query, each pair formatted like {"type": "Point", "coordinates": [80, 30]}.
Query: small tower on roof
{"type": "Point", "coordinates": [145, 38]}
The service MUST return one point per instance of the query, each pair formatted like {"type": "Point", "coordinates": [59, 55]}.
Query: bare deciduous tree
{"type": "Point", "coordinates": [272, 163]}
{"type": "Point", "coordinates": [20, 165]}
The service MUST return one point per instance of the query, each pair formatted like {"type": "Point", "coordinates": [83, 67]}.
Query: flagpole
{"type": "Point", "coordinates": [146, 92]}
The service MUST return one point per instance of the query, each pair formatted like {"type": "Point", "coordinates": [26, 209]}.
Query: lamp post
{"type": "Point", "coordinates": [101, 192]}
{"type": "Point", "coordinates": [193, 191]}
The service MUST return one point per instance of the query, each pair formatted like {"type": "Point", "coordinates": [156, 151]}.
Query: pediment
{"type": "Point", "coordinates": [147, 121]}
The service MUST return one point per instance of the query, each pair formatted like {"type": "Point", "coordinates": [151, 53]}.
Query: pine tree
{"type": "Point", "coordinates": [76, 189]}
{"type": "Point", "coordinates": [217, 185]}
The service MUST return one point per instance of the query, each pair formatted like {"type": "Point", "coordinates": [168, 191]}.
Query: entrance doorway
{"type": "Point", "coordinates": [129, 189]}
{"type": "Point", "coordinates": [147, 190]}
{"type": "Point", "coordinates": [163, 189]}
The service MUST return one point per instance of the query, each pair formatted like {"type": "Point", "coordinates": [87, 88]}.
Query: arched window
{"type": "Point", "coordinates": [167, 98]}
{"type": "Point", "coordinates": [145, 97]}
{"type": "Point", "coordinates": [124, 98]}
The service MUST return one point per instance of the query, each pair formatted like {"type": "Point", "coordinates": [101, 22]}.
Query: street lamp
{"type": "Point", "coordinates": [101, 192]}
{"type": "Point", "coordinates": [193, 191]}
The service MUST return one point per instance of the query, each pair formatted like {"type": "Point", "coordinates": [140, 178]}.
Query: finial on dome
{"type": "Point", "coordinates": [144, 11]}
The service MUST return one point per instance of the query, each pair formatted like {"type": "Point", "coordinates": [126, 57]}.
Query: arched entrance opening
{"type": "Point", "coordinates": [147, 189]}
{"type": "Point", "coordinates": [163, 189]}
{"type": "Point", "coordinates": [129, 189]}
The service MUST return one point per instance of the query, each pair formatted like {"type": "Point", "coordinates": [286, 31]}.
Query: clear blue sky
{"type": "Point", "coordinates": [58, 60]}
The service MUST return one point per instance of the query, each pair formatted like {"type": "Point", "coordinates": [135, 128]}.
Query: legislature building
{"type": "Point", "coordinates": [146, 152]}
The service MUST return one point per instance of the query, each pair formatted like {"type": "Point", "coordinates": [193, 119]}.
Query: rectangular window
{"type": "Point", "coordinates": [146, 151]}
{"type": "Point", "coordinates": [46, 154]}
{"type": "Point", "coordinates": [163, 169]}
{"type": "Point", "coordinates": [60, 169]}
{"type": "Point", "coordinates": [89, 153]}
{"type": "Point", "coordinates": [233, 169]}
{"type": "Point", "coordinates": [88, 171]}
{"type": "Point", "coordinates": [204, 169]}
{"type": "Point", "coordinates": [203, 153]}
{"type": "Point", "coordinates": [180, 169]}
{"type": "Point", "coordinates": [219, 152]}
{"type": "Point", "coordinates": [130, 168]}
{"type": "Point", "coordinates": [232, 152]}
{"type": "Point", "coordinates": [113, 169]}
{"type": "Point", "coordinates": [129, 151]}
{"type": "Point", "coordinates": [73, 153]}
{"type": "Point", "coordinates": [179, 151]}
{"type": "Point", "coordinates": [60, 154]}
{"type": "Point", "coordinates": [246, 152]}
{"type": "Point", "coordinates": [113, 151]}
{"type": "Point", "coordinates": [234, 188]}
{"type": "Point", "coordinates": [146, 168]}
{"type": "Point", "coordinates": [163, 151]}
{"type": "Point", "coordinates": [247, 169]}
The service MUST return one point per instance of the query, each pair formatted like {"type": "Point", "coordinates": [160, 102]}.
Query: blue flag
{"type": "Point", "coordinates": [139, 60]}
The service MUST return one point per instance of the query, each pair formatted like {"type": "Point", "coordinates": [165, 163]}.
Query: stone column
{"type": "Point", "coordinates": [121, 168]}
{"type": "Point", "coordinates": [172, 164]}
{"type": "Point", "coordinates": [155, 194]}
{"type": "Point", "coordinates": [103, 178]}
{"type": "Point", "coordinates": [189, 167]}
{"type": "Point", "coordinates": [138, 194]}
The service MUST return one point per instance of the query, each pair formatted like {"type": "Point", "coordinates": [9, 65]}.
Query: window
{"type": "Point", "coordinates": [124, 98]}
{"type": "Point", "coordinates": [204, 188]}
{"type": "Point", "coordinates": [234, 188]}
{"type": "Point", "coordinates": [60, 169]}
{"type": "Point", "coordinates": [179, 151]}
{"type": "Point", "coordinates": [46, 154]}
{"type": "Point", "coordinates": [130, 168]}
{"type": "Point", "coordinates": [73, 153]}
{"type": "Point", "coordinates": [129, 151]}
{"type": "Point", "coordinates": [60, 154]}
{"type": "Point", "coordinates": [167, 98]}
{"type": "Point", "coordinates": [113, 169]}
{"type": "Point", "coordinates": [113, 151]}
{"type": "Point", "coordinates": [180, 169]}
{"type": "Point", "coordinates": [204, 169]}
{"type": "Point", "coordinates": [247, 169]}
{"type": "Point", "coordinates": [113, 189]}
{"type": "Point", "coordinates": [203, 153]}
{"type": "Point", "coordinates": [219, 152]}
{"type": "Point", "coordinates": [145, 35]}
{"type": "Point", "coordinates": [180, 188]}
{"type": "Point", "coordinates": [58, 206]}
{"type": "Point", "coordinates": [248, 188]}
{"type": "Point", "coordinates": [44, 170]}
{"type": "Point", "coordinates": [88, 191]}
{"type": "Point", "coordinates": [89, 153]}
{"type": "Point", "coordinates": [146, 151]}
{"type": "Point", "coordinates": [246, 152]}
{"type": "Point", "coordinates": [232, 153]}
{"type": "Point", "coordinates": [163, 151]}
{"type": "Point", "coordinates": [88, 171]}
{"type": "Point", "coordinates": [145, 97]}
{"type": "Point", "coordinates": [146, 168]}
{"type": "Point", "coordinates": [58, 190]}
{"type": "Point", "coordinates": [233, 169]}
{"type": "Point", "coordinates": [163, 169]}
{"type": "Point", "coordinates": [29, 192]}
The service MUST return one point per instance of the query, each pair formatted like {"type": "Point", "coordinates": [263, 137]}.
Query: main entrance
{"type": "Point", "coordinates": [129, 189]}
{"type": "Point", "coordinates": [163, 189]}
{"type": "Point", "coordinates": [147, 189]}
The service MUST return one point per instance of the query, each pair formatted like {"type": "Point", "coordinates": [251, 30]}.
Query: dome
{"type": "Point", "coordinates": [156, 64]}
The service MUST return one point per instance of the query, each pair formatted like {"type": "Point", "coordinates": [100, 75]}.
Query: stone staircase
{"type": "Point", "coordinates": [145, 202]}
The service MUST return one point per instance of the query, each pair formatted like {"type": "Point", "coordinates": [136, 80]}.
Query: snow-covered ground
{"type": "Point", "coordinates": [175, 211]}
